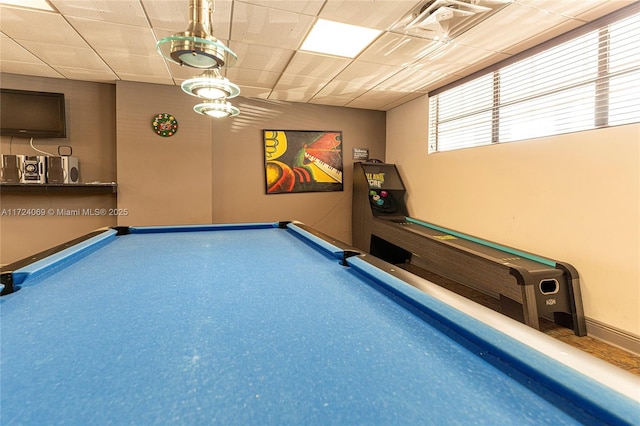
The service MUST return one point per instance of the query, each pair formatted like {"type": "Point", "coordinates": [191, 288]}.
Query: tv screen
{"type": "Point", "coordinates": [30, 114]}
{"type": "Point", "coordinates": [383, 176]}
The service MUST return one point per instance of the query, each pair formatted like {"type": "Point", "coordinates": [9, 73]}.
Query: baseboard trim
{"type": "Point", "coordinates": [614, 336]}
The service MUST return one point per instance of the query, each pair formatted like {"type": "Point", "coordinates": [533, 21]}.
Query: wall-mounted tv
{"type": "Point", "coordinates": [28, 114]}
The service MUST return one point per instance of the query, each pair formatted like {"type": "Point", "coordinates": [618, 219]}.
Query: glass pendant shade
{"type": "Point", "coordinates": [196, 46]}
{"type": "Point", "coordinates": [210, 86]}
{"type": "Point", "coordinates": [216, 108]}
{"type": "Point", "coordinates": [197, 52]}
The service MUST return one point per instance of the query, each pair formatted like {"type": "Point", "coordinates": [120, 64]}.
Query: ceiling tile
{"type": "Point", "coordinates": [116, 37]}
{"type": "Point", "coordinates": [28, 68]}
{"type": "Point", "coordinates": [454, 57]}
{"type": "Point", "coordinates": [107, 40]}
{"type": "Point", "coordinates": [330, 100]}
{"type": "Point", "coordinates": [525, 19]}
{"type": "Point", "coordinates": [380, 14]}
{"type": "Point", "coordinates": [249, 77]}
{"type": "Point", "coordinates": [146, 66]}
{"type": "Point", "coordinates": [519, 22]}
{"type": "Point", "coordinates": [295, 88]}
{"type": "Point", "coordinates": [444, 80]}
{"type": "Point", "coordinates": [100, 76]}
{"type": "Point", "coordinates": [221, 19]}
{"type": "Point", "coordinates": [269, 27]}
{"type": "Point", "coordinates": [19, 24]}
{"type": "Point", "coordinates": [314, 65]}
{"type": "Point", "coordinates": [411, 79]}
{"type": "Point", "coordinates": [602, 8]}
{"type": "Point", "coordinates": [310, 7]}
{"type": "Point", "coordinates": [343, 89]}
{"type": "Point", "coordinates": [376, 99]}
{"type": "Point", "coordinates": [65, 56]}
{"type": "Point", "coordinates": [300, 83]}
{"type": "Point", "coordinates": [140, 78]}
{"type": "Point", "coordinates": [366, 73]}
{"type": "Point", "coordinates": [12, 51]}
{"type": "Point", "coordinates": [290, 95]}
{"type": "Point", "coordinates": [171, 16]}
{"type": "Point", "coordinates": [403, 100]}
{"type": "Point", "coordinates": [398, 49]}
{"type": "Point", "coordinates": [574, 9]}
{"type": "Point", "coordinates": [255, 92]}
{"type": "Point", "coordinates": [127, 12]}
{"type": "Point", "coordinates": [261, 57]}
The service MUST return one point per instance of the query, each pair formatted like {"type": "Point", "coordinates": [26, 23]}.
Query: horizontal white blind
{"type": "Point", "coordinates": [624, 68]}
{"type": "Point", "coordinates": [549, 93]}
{"type": "Point", "coordinates": [462, 124]}
{"type": "Point", "coordinates": [587, 82]}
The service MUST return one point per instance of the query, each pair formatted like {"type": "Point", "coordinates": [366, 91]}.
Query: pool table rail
{"type": "Point", "coordinates": [14, 274]}
{"type": "Point", "coordinates": [488, 329]}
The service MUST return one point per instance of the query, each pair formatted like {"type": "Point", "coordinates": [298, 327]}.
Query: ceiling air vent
{"type": "Point", "coordinates": [447, 19]}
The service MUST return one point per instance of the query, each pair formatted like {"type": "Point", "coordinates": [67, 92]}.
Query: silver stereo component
{"type": "Point", "coordinates": [34, 168]}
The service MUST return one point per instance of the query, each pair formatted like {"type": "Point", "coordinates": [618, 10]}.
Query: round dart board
{"type": "Point", "coordinates": [164, 124]}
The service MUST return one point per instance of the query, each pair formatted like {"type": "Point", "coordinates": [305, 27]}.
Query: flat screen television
{"type": "Point", "coordinates": [29, 114]}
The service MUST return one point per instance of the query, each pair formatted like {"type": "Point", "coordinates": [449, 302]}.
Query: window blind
{"type": "Point", "coordinates": [586, 82]}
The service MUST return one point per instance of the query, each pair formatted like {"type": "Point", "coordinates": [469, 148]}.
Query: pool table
{"type": "Point", "coordinates": [273, 323]}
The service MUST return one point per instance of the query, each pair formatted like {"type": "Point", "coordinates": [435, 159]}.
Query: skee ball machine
{"type": "Point", "coordinates": [527, 285]}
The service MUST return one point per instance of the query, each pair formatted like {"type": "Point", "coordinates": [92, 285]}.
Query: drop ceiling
{"type": "Point", "coordinates": [111, 40]}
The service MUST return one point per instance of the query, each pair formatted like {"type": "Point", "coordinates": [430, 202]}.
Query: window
{"type": "Point", "coordinates": [586, 82]}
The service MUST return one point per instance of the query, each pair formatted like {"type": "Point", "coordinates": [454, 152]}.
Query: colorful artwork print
{"type": "Point", "coordinates": [302, 161]}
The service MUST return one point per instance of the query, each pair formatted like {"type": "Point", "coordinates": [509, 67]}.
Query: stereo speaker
{"type": "Point", "coordinates": [11, 169]}
{"type": "Point", "coordinates": [64, 169]}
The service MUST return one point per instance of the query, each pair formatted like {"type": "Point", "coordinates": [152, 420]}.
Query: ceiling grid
{"type": "Point", "coordinates": [107, 41]}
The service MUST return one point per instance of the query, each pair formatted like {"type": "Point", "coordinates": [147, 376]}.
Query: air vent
{"type": "Point", "coordinates": [447, 19]}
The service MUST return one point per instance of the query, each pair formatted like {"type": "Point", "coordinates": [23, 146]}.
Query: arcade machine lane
{"type": "Point", "coordinates": [528, 286]}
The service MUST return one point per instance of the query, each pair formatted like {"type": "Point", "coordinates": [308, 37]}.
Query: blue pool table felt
{"type": "Point", "coordinates": [251, 327]}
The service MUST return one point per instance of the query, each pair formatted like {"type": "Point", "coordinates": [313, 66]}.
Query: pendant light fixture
{"type": "Point", "coordinates": [196, 47]}
{"type": "Point", "coordinates": [217, 108]}
{"type": "Point", "coordinates": [210, 85]}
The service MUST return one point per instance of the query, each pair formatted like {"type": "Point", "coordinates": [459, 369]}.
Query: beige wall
{"type": "Point", "coordinates": [212, 171]}
{"type": "Point", "coordinates": [90, 110]}
{"type": "Point", "coordinates": [574, 197]}
{"type": "Point", "coordinates": [162, 180]}
{"type": "Point", "coordinates": [209, 172]}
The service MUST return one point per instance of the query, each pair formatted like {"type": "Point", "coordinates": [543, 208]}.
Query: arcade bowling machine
{"type": "Point", "coordinates": [527, 286]}
{"type": "Point", "coordinates": [378, 192]}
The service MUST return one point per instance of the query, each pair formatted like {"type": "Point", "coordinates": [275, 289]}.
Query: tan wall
{"type": "Point", "coordinates": [574, 197]}
{"type": "Point", "coordinates": [209, 172]}
{"type": "Point", "coordinates": [90, 110]}
{"type": "Point", "coordinates": [162, 180]}
{"type": "Point", "coordinates": [212, 171]}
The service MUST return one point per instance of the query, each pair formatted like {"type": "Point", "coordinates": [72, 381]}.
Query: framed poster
{"type": "Point", "coordinates": [302, 161]}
